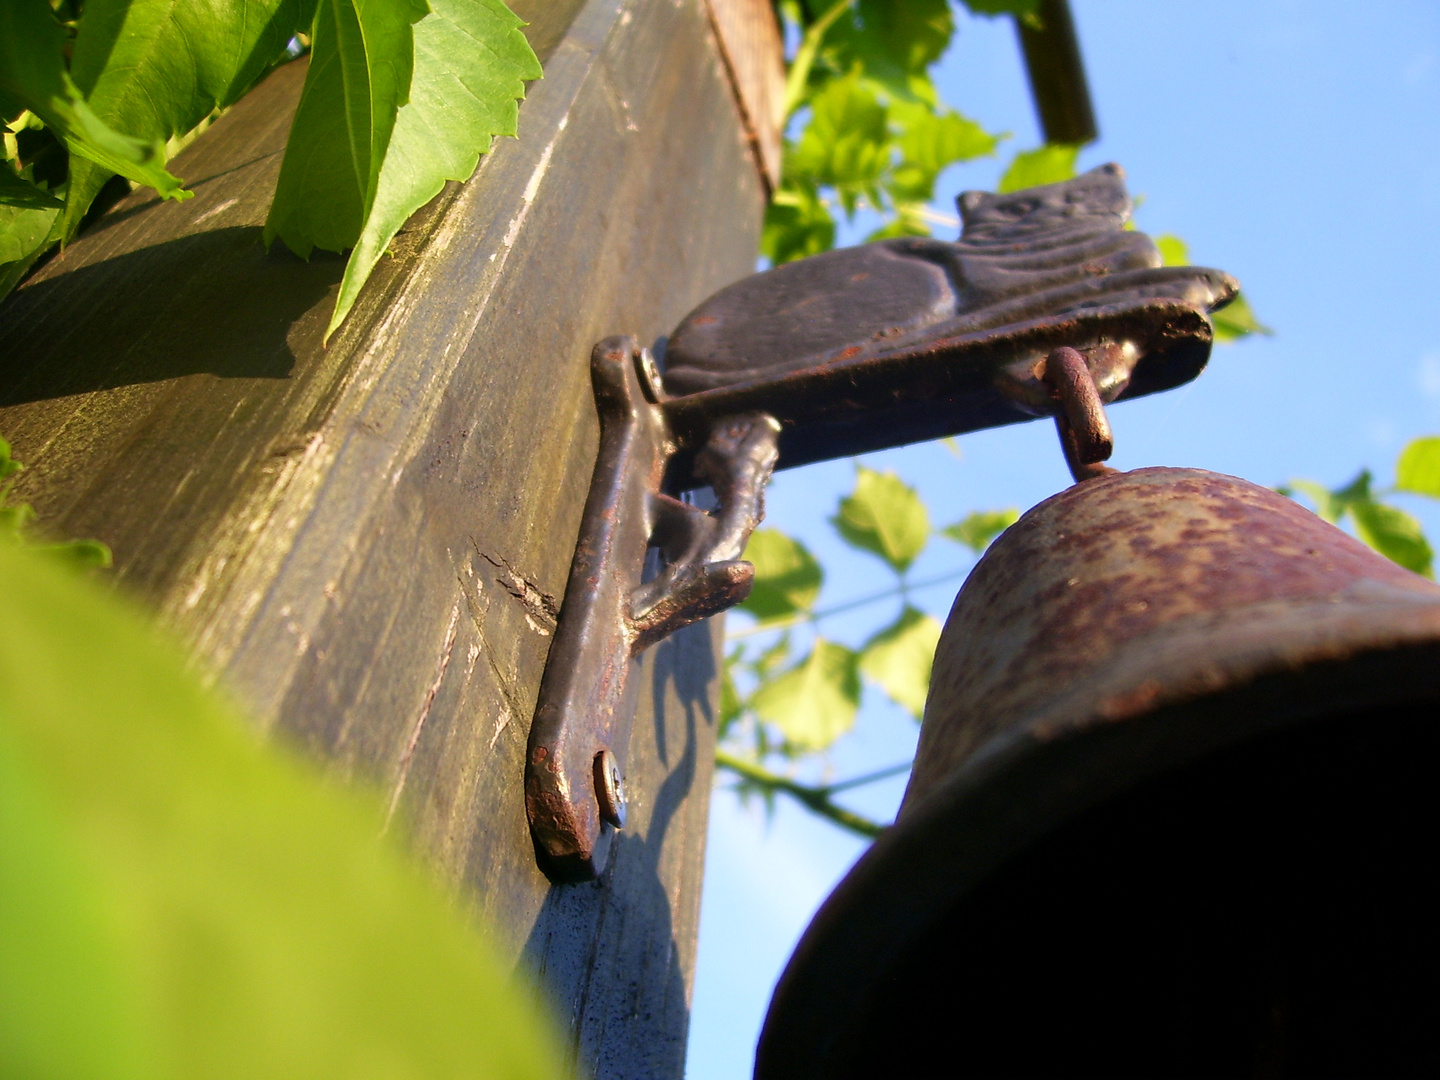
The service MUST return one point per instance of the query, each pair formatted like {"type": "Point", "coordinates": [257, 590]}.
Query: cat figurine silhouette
{"type": "Point", "coordinates": [1046, 252]}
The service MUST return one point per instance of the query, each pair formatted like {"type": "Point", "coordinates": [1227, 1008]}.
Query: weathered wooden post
{"type": "Point", "coordinates": [369, 543]}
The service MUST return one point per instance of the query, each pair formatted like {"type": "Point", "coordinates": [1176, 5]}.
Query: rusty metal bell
{"type": "Point", "coordinates": [1173, 813]}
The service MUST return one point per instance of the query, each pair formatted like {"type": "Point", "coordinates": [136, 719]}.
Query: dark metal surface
{"type": "Point", "coordinates": [883, 344]}
{"type": "Point", "coordinates": [1084, 431]}
{"type": "Point", "coordinates": [1047, 305]}
{"type": "Point", "coordinates": [585, 710]}
{"type": "Point", "coordinates": [1120, 641]}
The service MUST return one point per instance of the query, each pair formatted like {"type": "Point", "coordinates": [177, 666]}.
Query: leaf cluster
{"type": "Point", "coordinates": [790, 699]}
{"type": "Point", "coordinates": [400, 96]}
{"type": "Point", "coordinates": [178, 900]}
{"type": "Point", "coordinates": [866, 125]}
{"type": "Point", "coordinates": [1386, 528]}
{"type": "Point", "coordinates": [17, 524]}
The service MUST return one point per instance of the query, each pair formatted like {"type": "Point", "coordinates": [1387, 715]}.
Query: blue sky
{"type": "Point", "coordinates": [1292, 144]}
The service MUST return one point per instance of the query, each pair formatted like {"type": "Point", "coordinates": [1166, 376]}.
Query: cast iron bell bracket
{"type": "Point", "coordinates": [1046, 305]}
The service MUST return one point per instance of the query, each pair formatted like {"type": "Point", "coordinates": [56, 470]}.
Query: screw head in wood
{"type": "Point", "coordinates": [610, 789]}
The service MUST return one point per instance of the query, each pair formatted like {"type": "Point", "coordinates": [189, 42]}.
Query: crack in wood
{"type": "Point", "coordinates": [542, 611]}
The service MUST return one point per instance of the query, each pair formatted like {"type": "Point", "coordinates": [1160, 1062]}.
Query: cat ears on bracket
{"type": "Point", "coordinates": [1101, 192]}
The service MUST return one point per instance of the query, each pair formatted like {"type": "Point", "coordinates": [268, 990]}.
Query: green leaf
{"type": "Point", "coordinates": [1235, 321]}
{"type": "Point", "coordinates": [1048, 164]}
{"type": "Point", "coordinates": [928, 143]}
{"type": "Point", "coordinates": [797, 224]}
{"type": "Point", "coordinates": [198, 904]}
{"type": "Point", "coordinates": [8, 465]}
{"type": "Point", "coordinates": [1173, 250]}
{"type": "Point", "coordinates": [1345, 498]}
{"type": "Point", "coordinates": [1393, 533]}
{"type": "Point", "coordinates": [23, 232]}
{"type": "Point", "coordinates": [978, 529]}
{"type": "Point", "coordinates": [470, 63]}
{"type": "Point", "coordinates": [66, 963]}
{"type": "Point", "coordinates": [846, 144]}
{"type": "Point", "coordinates": [899, 658]}
{"type": "Point", "coordinates": [1387, 529]}
{"type": "Point", "coordinates": [797, 79]}
{"type": "Point", "coordinates": [1418, 469]}
{"type": "Point", "coordinates": [884, 516]}
{"type": "Point", "coordinates": [908, 219]}
{"type": "Point", "coordinates": [813, 703]}
{"type": "Point", "coordinates": [787, 577]}
{"type": "Point", "coordinates": [361, 60]}
{"type": "Point", "coordinates": [892, 44]}
{"type": "Point", "coordinates": [33, 74]}
{"type": "Point", "coordinates": [156, 68]}
{"type": "Point", "coordinates": [732, 706]}
{"type": "Point", "coordinates": [15, 191]}
{"type": "Point", "coordinates": [1325, 505]}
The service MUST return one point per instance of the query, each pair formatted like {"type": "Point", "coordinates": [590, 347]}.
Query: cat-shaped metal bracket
{"type": "Point", "coordinates": [846, 352]}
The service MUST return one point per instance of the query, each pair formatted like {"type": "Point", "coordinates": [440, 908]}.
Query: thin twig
{"type": "Point", "coordinates": [815, 799]}
{"type": "Point", "coordinates": [868, 778]}
{"type": "Point", "coordinates": [848, 605]}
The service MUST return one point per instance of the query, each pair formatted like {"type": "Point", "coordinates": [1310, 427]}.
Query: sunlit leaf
{"type": "Point", "coordinates": [470, 63]}
{"type": "Point", "coordinates": [1387, 529]}
{"type": "Point", "coordinates": [8, 465]}
{"type": "Point", "coordinates": [1173, 250]}
{"type": "Point", "coordinates": [797, 225]}
{"type": "Point", "coordinates": [846, 144]}
{"type": "Point", "coordinates": [813, 703]}
{"type": "Point", "coordinates": [884, 516]}
{"type": "Point", "coordinates": [59, 960]}
{"type": "Point", "coordinates": [899, 657]}
{"type": "Point", "coordinates": [787, 577]}
{"type": "Point", "coordinates": [1318, 494]}
{"type": "Point", "coordinates": [1393, 533]}
{"type": "Point", "coordinates": [892, 43]}
{"type": "Point", "coordinates": [1049, 164]}
{"type": "Point", "coordinates": [1418, 469]}
{"type": "Point", "coordinates": [23, 230]}
{"type": "Point", "coordinates": [361, 61]}
{"type": "Point", "coordinates": [978, 529]}
{"type": "Point", "coordinates": [33, 74]}
{"type": "Point", "coordinates": [155, 68]}
{"type": "Point", "coordinates": [928, 143]}
{"type": "Point", "coordinates": [196, 904]}
{"type": "Point", "coordinates": [732, 706]}
{"type": "Point", "coordinates": [1235, 321]}
{"type": "Point", "coordinates": [1357, 491]}
{"type": "Point", "coordinates": [908, 219]}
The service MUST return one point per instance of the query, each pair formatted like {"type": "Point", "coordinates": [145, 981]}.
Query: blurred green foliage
{"type": "Point", "coordinates": [1386, 528]}
{"type": "Point", "coordinates": [179, 900]}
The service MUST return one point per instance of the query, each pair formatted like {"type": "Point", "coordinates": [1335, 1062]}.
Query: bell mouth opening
{"type": "Point", "coordinates": [1267, 911]}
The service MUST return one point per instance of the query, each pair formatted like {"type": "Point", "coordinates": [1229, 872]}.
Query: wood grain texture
{"type": "Point", "coordinates": [368, 543]}
{"type": "Point", "coordinates": [754, 56]}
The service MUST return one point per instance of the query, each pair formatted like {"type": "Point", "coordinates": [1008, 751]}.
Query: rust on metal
{"type": "Point", "coordinates": [853, 350]}
{"type": "Point", "coordinates": [610, 614]}
{"type": "Point", "coordinates": [1168, 814]}
{"type": "Point", "coordinates": [1084, 431]}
